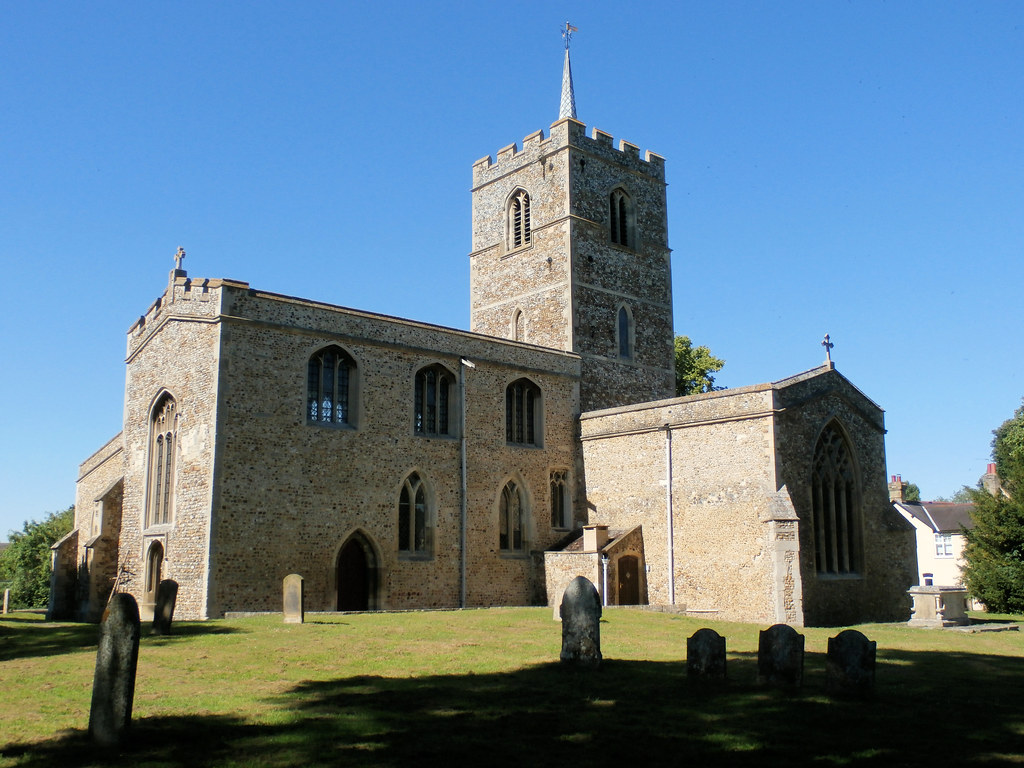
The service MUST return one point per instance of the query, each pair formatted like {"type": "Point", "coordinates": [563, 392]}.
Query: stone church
{"type": "Point", "coordinates": [396, 464]}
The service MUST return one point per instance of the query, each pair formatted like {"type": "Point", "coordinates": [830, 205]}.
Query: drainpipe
{"type": "Point", "coordinates": [604, 592]}
{"type": "Point", "coordinates": [463, 499]}
{"type": "Point", "coordinates": [668, 512]}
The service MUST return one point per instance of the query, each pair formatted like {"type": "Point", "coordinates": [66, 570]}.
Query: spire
{"type": "Point", "coordinates": [568, 106]}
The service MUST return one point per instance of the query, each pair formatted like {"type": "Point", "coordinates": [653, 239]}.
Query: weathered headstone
{"type": "Point", "coordinates": [780, 656]}
{"type": "Point", "coordinates": [850, 664]}
{"type": "Point", "coordinates": [294, 599]}
{"type": "Point", "coordinates": [7, 599]}
{"type": "Point", "coordinates": [113, 686]}
{"type": "Point", "coordinates": [163, 614]}
{"type": "Point", "coordinates": [581, 623]}
{"type": "Point", "coordinates": [705, 655]}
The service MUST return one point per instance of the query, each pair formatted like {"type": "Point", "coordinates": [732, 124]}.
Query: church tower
{"type": "Point", "coordinates": [570, 250]}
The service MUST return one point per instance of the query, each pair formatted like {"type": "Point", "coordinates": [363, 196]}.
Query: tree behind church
{"type": "Point", "coordinates": [695, 368]}
{"type": "Point", "coordinates": [994, 554]}
{"type": "Point", "coordinates": [25, 564]}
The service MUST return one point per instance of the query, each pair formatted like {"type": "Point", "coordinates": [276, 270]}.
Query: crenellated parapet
{"type": "Point", "coordinates": [185, 298]}
{"type": "Point", "coordinates": [565, 133]}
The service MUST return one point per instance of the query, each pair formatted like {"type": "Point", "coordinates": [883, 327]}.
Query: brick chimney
{"type": "Point", "coordinates": [897, 488]}
{"type": "Point", "coordinates": [594, 537]}
{"type": "Point", "coordinates": [990, 480]}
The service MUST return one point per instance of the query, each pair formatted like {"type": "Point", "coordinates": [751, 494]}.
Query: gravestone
{"type": "Point", "coordinates": [705, 655]}
{"type": "Point", "coordinates": [7, 599]}
{"type": "Point", "coordinates": [163, 613]}
{"type": "Point", "coordinates": [780, 656]}
{"type": "Point", "coordinates": [581, 623]}
{"type": "Point", "coordinates": [294, 599]}
{"type": "Point", "coordinates": [850, 664]}
{"type": "Point", "coordinates": [113, 686]}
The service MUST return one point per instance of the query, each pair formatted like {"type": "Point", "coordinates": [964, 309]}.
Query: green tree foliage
{"type": "Point", "coordinates": [25, 564]}
{"type": "Point", "coordinates": [912, 493]}
{"type": "Point", "coordinates": [994, 554]}
{"type": "Point", "coordinates": [1008, 452]}
{"type": "Point", "coordinates": [695, 368]}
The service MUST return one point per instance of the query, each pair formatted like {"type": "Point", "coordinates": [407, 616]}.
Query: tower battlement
{"type": "Point", "coordinates": [563, 134]}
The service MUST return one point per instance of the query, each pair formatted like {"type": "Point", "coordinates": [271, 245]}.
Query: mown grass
{"type": "Point", "coordinates": [485, 688]}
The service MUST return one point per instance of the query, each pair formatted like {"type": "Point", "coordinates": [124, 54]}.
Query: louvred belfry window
{"type": "Point", "coordinates": [519, 225]}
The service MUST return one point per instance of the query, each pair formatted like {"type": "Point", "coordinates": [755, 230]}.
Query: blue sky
{"type": "Point", "coordinates": [849, 168]}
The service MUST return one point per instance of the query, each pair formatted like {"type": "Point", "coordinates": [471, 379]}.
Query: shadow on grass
{"type": "Point", "coordinates": [37, 638]}
{"type": "Point", "coordinates": [930, 708]}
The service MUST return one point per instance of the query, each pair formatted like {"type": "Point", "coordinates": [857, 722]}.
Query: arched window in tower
{"type": "Point", "coordinates": [620, 218]}
{"type": "Point", "coordinates": [624, 332]}
{"type": "Point", "coordinates": [511, 516]}
{"type": "Point", "coordinates": [518, 326]}
{"type": "Point", "coordinates": [414, 518]}
{"type": "Point", "coordinates": [432, 400]}
{"type": "Point", "coordinates": [519, 225]}
{"type": "Point", "coordinates": [522, 413]}
{"type": "Point", "coordinates": [154, 572]}
{"type": "Point", "coordinates": [836, 505]}
{"type": "Point", "coordinates": [330, 389]}
{"type": "Point", "coordinates": [162, 453]}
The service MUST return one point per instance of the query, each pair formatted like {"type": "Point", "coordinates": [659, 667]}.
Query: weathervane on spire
{"type": "Point", "coordinates": [567, 33]}
{"type": "Point", "coordinates": [827, 344]}
{"type": "Point", "coordinates": [567, 107]}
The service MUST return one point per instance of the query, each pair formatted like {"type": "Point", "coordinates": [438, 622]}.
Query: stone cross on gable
{"type": "Point", "coordinates": [827, 344]}
{"type": "Point", "coordinates": [179, 257]}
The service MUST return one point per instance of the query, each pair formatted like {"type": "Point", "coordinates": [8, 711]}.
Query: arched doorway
{"type": "Point", "coordinates": [629, 580]}
{"type": "Point", "coordinates": [356, 574]}
{"type": "Point", "coordinates": [154, 573]}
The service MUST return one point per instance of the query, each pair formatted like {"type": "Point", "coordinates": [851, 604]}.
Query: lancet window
{"type": "Point", "coordinates": [413, 516]}
{"type": "Point", "coordinates": [620, 218]}
{"type": "Point", "coordinates": [511, 515]}
{"type": "Point", "coordinates": [561, 507]}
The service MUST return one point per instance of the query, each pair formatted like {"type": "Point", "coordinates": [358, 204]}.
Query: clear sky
{"type": "Point", "coordinates": [850, 168]}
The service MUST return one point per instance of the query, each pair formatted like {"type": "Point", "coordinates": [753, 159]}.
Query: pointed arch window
{"type": "Point", "coordinates": [621, 218]}
{"type": "Point", "coordinates": [561, 507]}
{"type": "Point", "coordinates": [518, 326]}
{"type": "Point", "coordinates": [154, 572]}
{"type": "Point", "coordinates": [511, 516]}
{"type": "Point", "coordinates": [331, 374]}
{"type": "Point", "coordinates": [522, 413]}
{"type": "Point", "coordinates": [520, 229]}
{"type": "Point", "coordinates": [836, 505]}
{"type": "Point", "coordinates": [432, 400]}
{"type": "Point", "coordinates": [162, 455]}
{"type": "Point", "coordinates": [414, 517]}
{"type": "Point", "coordinates": [624, 332]}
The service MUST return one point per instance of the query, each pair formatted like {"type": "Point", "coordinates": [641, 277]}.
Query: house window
{"type": "Point", "coordinates": [413, 517]}
{"type": "Point", "coordinates": [943, 545]}
{"type": "Point", "coordinates": [624, 331]}
{"type": "Point", "coordinates": [519, 227]}
{"type": "Point", "coordinates": [331, 374]}
{"type": "Point", "coordinates": [620, 217]}
{"type": "Point", "coordinates": [561, 507]}
{"type": "Point", "coordinates": [510, 518]}
{"type": "Point", "coordinates": [432, 400]}
{"type": "Point", "coordinates": [522, 413]}
{"type": "Point", "coordinates": [162, 448]}
{"type": "Point", "coordinates": [836, 507]}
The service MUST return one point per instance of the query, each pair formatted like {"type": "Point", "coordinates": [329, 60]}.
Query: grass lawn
{"type": "Point", "coordinates": [485, 687]}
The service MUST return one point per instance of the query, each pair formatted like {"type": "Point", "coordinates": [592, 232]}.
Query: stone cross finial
{"type": "Point", "coordinates": [827, 344]}
{"type": "Point", "coordinates": [179, 257]}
